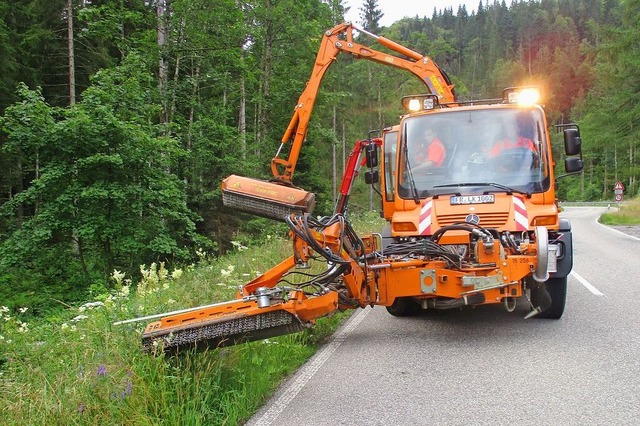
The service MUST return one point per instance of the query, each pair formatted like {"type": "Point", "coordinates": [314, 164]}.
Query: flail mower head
{"type": "Point", "coordinates": [268, 199]}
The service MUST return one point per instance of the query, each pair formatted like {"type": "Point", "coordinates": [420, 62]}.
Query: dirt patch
{"type": "Point", "coordinates": [633, 230]}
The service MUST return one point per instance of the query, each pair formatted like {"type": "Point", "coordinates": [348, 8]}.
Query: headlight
{"type": "Point", "coordinates": [522, 95]}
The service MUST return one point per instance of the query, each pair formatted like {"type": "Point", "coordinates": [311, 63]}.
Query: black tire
{"type": "Point", "coordinates": [557, 289]}
{"type": "Point", "coordinates": [404, 307]}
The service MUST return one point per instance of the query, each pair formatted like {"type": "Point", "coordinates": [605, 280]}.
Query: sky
{"type": "Point", "coordinates": [394, 10]}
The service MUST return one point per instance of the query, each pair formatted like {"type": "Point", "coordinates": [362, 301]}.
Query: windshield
{"type": "Point", "coordinates": [473, 151]}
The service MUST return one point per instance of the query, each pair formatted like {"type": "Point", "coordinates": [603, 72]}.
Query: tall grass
{"type": "Point", "coordinates": [629, 214]}
{"type": "Point", "coordinates": [75, 367]}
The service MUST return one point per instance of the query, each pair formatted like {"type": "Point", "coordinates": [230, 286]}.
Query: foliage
{"type": "Point", "coordinates": [610, 113]}
{"type": "Point", "coordinates": [74, 366]}
{"type": "Point", "coordinates": [104, 197]}
{"type": "Point", "coordinates": [628, 214]}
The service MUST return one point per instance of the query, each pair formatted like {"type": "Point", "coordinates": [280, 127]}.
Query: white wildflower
{"type": "Point", "coordinates": [225, 273]}
{"type": "Point", "coordinates": [82, 308]}
{"type": "Point", "coordinates": [238, 245]}
{"type": "Point", "coordinates": [170, 302]}
{"type": "Point", "coordinates": [73, 328]}
{"type": "Point", "coordinates": [117, 276]}
{"type": "Point", "coordinates": [177, 273]}
{"type": "Point", "coordinates": [162, 272]}
{"type": "Point", "coordinates": [140, 308]}
{"type": "Point", "coordinates": [165, 285]}
{"type": "Point", "coordinates": [4, 309]}
{"type": "Point", "coordinates": [201, 253]}
{"type": "Point", "coordinates": [23, 310]}
{"type": "Point", "coordinates": [64, 326]}
{"type": "Point", "coordinates": [231, 268]}
{"type": "Point", "coordinates": [124, 291]}
{"type": "Point", "coordinates": [91, 305]}
{"type": "Point", "coordinates": [79, 318]}
{"type": "Point", "coordinates": [1, 337]}
{"type": "Point", "coordinates": [23, 328]}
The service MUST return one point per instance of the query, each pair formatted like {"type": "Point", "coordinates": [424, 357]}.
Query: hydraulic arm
{"type": "Point", "coordinates": [340, 40]}
{"type": "Point", "coordinates": [487, 268]}
{"type": "Point", "coordinates": [279, 198]}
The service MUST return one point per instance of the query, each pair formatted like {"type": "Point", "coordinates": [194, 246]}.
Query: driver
{"type": "Point", "coordinates": [512, 140]}
{"type": "Point", "coordinates": [430, 151]}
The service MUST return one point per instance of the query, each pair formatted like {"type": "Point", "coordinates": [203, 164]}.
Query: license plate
{"type": "Point", "coordinates": [473, 199]}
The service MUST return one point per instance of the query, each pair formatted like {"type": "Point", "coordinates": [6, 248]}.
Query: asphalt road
{"type": "Point", "coordinates": [485, 366]}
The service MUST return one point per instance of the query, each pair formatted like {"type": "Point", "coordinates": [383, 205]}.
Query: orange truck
{"type": "Point", "coordinates": [468, 193]}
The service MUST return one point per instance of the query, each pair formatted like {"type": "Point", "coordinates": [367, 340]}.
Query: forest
{"type": "Point", "coordinates": [120, 118]}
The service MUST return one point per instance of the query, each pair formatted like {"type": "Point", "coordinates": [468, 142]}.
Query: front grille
{"type": "Point", "coordinates": [487, 220]}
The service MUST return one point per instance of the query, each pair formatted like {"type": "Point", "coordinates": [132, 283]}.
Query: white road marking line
{"type": "Point", "coordinates": [587, 284]}
{"type": "Point", "coordinates": [617, 230]}
{"type": "Point", "coordinates": [307, 372]}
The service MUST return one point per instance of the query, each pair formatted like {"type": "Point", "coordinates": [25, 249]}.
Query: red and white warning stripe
{"type": "Point", "coordinates": [424, 227]}
{"type": "Point", "coordinates": [520, 214]}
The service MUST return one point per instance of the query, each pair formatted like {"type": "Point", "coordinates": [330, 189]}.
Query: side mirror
{"type": "Point", "coordinates": [371, 154]}
{"type": "Point", "coordinates": [573, 164]}
{"type": "Point", "coordinates": [572, 142]}
{"type": "Point", "coordinates": [371, 177]}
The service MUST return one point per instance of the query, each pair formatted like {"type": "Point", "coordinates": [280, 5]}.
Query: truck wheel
{"type": "Point", "coordinates": [557, 288]}
{"type": "Point", "coordinates": [403, 307]}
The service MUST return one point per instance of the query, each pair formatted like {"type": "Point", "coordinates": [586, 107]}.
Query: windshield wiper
{"type": "Point", "coordinates": [500, 187]}
{"type": "Point", "coordinates": [414, 190]}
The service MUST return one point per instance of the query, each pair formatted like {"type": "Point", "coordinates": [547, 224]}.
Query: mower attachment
{"type": "Point", "coordinates": [264, 198]}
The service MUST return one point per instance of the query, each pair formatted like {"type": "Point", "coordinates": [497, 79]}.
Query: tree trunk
{"type": "Point", "coordinates": [176, 75]}
{"type": "Point", "coordinates": [615, 162]}
{"type": "Point", "coordinates": [334, 160]}
{"type": "Point", "coordinates": [72, 66]}
{"type": "Point", "coordinates": [195, 78]}
{"type": "Point", "coordinates": [77, 242]}
{"type": "Point", "coordinates": [344, 146]}
{"type": "Point", "coordinates": [162, 15]}
{"type": "Point", "coordinates": [19, 188]}
{"type": "Point", "coordinates": [263, 118]}
{"type": "Point", "coordinates": [242, 119]}
{"type": "Point", "coordinates": [604, 179]}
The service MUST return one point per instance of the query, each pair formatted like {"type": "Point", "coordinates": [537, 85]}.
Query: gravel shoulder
{"type": "Point", "coordinates": [633, 230]}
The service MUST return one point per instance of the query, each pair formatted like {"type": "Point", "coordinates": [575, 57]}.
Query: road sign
{"type": "Point", "coordinates": [618, 191]}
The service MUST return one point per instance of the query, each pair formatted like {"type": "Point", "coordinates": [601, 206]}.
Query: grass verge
{"type": "Point", "coordinates": [74, 367]}
{"type": "Point", "coordinates": [629, 214]}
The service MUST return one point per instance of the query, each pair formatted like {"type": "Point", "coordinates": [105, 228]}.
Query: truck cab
{"type": "Point", "coordinates": [497, 171]}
